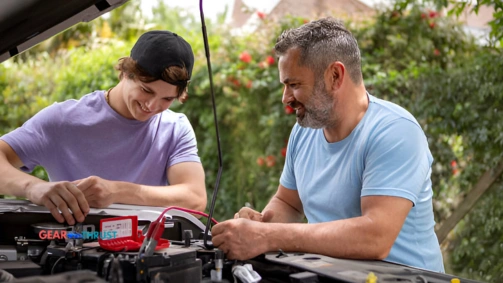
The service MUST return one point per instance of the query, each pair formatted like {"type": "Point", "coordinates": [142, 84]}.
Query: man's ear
{"type": "Point", "coordinates": [334, 75]}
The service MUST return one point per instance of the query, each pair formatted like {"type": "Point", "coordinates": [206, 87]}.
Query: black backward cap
{"type": "Point", "coordinates": [157, 50]}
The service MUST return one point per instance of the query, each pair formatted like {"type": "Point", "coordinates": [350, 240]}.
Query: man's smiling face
{"type": "Point", "coordinates": [305, 93]}
{"type": "Point", "coordinates": [144, 100]}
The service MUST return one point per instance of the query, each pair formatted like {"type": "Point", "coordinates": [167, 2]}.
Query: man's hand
{"type": "Point", "coordinates": [97, 191]}
{"type": "Point", "coordinates": [240, 239]}
{"type": "Point", "coordinates": [248, 213]}
{"type": "Point", "coordinates": [60, 196]}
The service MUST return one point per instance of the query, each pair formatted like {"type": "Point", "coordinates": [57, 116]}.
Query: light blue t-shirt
{"type": "Point", "coordinates": [76, 139]}
{"type": "Point", "coordinates": [386, 154]}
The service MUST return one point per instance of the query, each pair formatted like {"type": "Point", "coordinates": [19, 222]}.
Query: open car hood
{"type": "Point", "coordinates": [25, 23]}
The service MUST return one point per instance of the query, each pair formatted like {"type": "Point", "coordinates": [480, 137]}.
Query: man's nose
{"type": "Point", "coordinates": [152, 104]}
{"type": "Point", "coordinates": [287, 96]}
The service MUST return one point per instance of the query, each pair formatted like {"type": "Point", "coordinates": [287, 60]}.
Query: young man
{"type": "Point", "coordinates": [117, 146]}
{"type": "Point", "coordinates": [357, 167]}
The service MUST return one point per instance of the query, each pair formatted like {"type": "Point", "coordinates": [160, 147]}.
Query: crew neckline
{"type": "Point", "coordinates": [119, 116]}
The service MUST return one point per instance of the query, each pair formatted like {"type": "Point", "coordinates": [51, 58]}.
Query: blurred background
{"type": "Point", "coordinates": [441, 61]}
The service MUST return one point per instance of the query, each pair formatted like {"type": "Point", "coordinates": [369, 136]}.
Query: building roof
{"type": "Point", "coordinates": [310, 9]}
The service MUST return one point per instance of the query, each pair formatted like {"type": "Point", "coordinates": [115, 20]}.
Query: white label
{"type": "Point", "coordinates": [122, 228]}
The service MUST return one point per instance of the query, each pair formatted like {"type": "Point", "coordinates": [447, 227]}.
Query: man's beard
{"type": "Point", "coordinates": [318, 109]}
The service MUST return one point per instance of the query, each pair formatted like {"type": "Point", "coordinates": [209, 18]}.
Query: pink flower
{"type": "Point", "coordinates": [260, 161]}
{"type": "Point", "coordinates": [270, 160]}
{"type": "Point", "coordinates": [245, 57]}
{"type": "Point", "coordinates": [261, 15]}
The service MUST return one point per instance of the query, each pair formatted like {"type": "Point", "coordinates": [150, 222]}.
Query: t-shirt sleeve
{"type": "Point", "coordinates": [185, 149]}
{"type": "Point", "coordinates": [287, 178]}
{"type": "Point", "coordinates": [398, 161]}
{"type": "Point", "coordinates": [32, 141]}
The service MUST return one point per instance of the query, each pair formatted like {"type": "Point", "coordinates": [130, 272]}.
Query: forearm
{"type": "Point", "coordinates": [283, 212]}
{"type": "Point", "coordinates": [355, 238]}
{"type": "Point", "coordinates": [175, 195]}
{"type": "Point", "coordinates": [14, 182]}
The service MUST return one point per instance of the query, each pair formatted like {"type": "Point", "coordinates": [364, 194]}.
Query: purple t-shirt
{"type": "Point", "coordinates": [76, 139]}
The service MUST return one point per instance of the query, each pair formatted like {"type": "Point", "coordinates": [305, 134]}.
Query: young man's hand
{"type": "Point", "coordinates": [97, 191]}
{"type": "Point", "coordinates": [60, 196]}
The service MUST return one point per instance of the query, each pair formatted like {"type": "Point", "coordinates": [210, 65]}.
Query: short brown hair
{"type": "Point", "coordinates": [173, 75]}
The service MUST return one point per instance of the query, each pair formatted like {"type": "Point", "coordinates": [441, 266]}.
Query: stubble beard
{"type": "Point", "coordinates": [319, 108]}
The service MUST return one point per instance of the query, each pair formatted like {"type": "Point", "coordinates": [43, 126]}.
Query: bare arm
{"type": "Point", "coordinates": [187, 189]}
{"type": "Point", "coordinates": [285, 205]}
{"type": "Point", "coordinates": [56, 196]}
{"type": "Point", "coordinates": [369, 236]}
{"type": "Point", "coordinates": [13, 182]}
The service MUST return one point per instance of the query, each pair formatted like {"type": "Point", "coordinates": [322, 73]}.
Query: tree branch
{"type": "Point", "coordinates": [484, 183]}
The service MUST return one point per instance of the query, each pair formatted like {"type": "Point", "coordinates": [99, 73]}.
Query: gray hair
{"type": "Point", "coordinates": [322, 42]}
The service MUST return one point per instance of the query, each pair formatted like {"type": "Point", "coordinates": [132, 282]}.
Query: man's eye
{"type": "Point", "coordinates": [169, 98]}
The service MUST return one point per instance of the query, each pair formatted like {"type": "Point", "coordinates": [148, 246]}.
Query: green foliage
{"type": "Point", "coordinates": [496, 23]}
{"type": "Point", "coordinates": [459, 7]}
{"type": "Point", "coordinates": [478, 246]}
{"type": "Point", "coordinates": [467, 102]}
{"type": "Point", "coordinates": [417, 37]}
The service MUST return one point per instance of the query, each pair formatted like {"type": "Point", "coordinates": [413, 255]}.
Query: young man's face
{"type": "Point", "coordinates": [144, 100]}
{"type": "Point", "coordinates": [305, 93]}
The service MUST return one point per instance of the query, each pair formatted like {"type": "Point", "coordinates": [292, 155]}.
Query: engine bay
{"type": "Point", "coordinates": [35, 248]}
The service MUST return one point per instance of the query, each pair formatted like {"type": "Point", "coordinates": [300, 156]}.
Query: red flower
{"type": "Point", "coordinates": [454, 164]}
{"type": "Point", "coordinates": [233, 81]}
{"type": "Point", "coordinates": [283, 152]}
{"type": "Point", "coordinates": [270, 160]}
{"type": "Point", "coordinates": [249, 84]}
{"type": "Point", "coordinates": [261, 15]}
{"type": "Point", "coordinates": [269, 60]}
{"type": "Point", "coordinates": [245, 57]}
{"type": "Point", "coordinates": [423, 15]}
{"type": "Point", "coordinates": [432, 25]}
{"type": "Point", "coordinates": [432, 14]}
{"type": "Point", "coordinates": [260, 161]}
{"type": "Point", "coordinates": [436, 52]}
{"type": "Point", "coordinates": [236, 82]}
{"type": "Point", "coordinates": [289, 110]}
